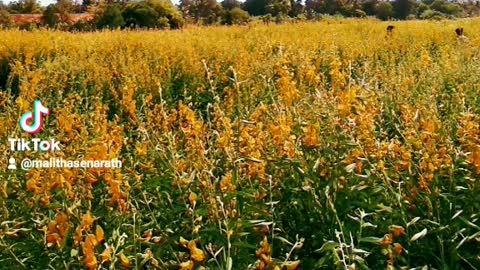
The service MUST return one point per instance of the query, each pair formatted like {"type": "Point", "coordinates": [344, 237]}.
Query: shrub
{"type": "Point", "coordinates": [49, 17]}
{"type": "Point", "coordinates": [384, 11]}
{"type": "Point", "coordinates": [446, 8]}
{"type": "Point", "coordinates": [148, 14]}
{"type": "Point", "coordinates": [360, 13]}
{"type": "Point", "coordinates": [235, 16]}
{"type": "Point", "coordinates": [5, 19]}
{"type": "Point", "coordinates": [432, 15]}
{"type": "Point", "coordinates": [111, 18]}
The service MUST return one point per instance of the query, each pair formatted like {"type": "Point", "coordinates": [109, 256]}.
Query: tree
{"type": "Point", "coordinates": [296, 9]}
{"type": "Point", "coordinates": [231, 4]}
{"type": "Point", "coordinates": [278, 7]}
{"type": "Point", "coordinates": [87, 3]}
{"type": "Point", "coordinates": [235, 16]}
{"type": "Point", "coordinates": [422, 7]}
{"type": "Point", "coordinates": [166, 10]}
{"type": "Point", "coordinates": [25, 7]}
{"type": "Point", "coordinates": [427, 2]}
{"type": "Point", "coordinates": [5, 19]}
{"type": "Point", "coordinates": [360, 13]}
{"type": "Point", "coordinates": [49, 16]}
{"type": "Point", "coordinates": [369, 7]}
{"type": "Point", "coordinates": [326, 6]}
{"type": "Point", "coordinates": [64, 8]}
{"type": "Point", "coordinates": [152, 14]}
{"type": "Point", "coordinates": [140, 15]}
{"type": "Point", "coordinates": [256, 7]}
{"type": "Point", "coordinates": [446, 8]}
{"type": "Point", "coordinates": [201, 11]}
{"type": "Point", "coordinates": [432, 15]}
{"type": "Point", "coordinates": [384, 11]}
{"type": "Point", "coordinates": [111, 17]}
{"type": "Point", "coordinates": [403, 8]}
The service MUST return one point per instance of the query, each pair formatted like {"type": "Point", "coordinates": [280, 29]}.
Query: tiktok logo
{"type": "Point", "coordinates": [32, 123]}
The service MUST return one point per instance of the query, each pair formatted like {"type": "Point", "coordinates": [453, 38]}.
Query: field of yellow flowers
{"type": "Point", "coordinates": [327, 145]}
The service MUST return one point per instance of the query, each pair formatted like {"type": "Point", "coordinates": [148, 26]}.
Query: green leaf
{"type": "Point", "coordinates": [229, 263]}
{"type": "Point", "coordinates": [419, 235]}
{"type": "Point", "coordinates": [371, 239]}
{"type": "Point", "coordinates": [328, 246]}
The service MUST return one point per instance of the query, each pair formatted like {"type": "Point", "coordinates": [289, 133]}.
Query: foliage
{"type": "Point", "coordinates": [24, 7]}
{"type": "Point", "coordinates": [201, 11]}
{"type": "Point", "coordinates": [256, 7]}
{"type": "Point", "coordinates": [384, 11]}
{"type": "Point", "coordinates": [151, 14]}
{"type": "Point", "coordinates": [50, 18]}
{"type": "Point", "coordinates": [231, 4]}
{"type": "Point", "coordinates": [369, 7]}
{"type": "Point", "coordinates": [111, 18]}
{"type": "Point", "coordinates": [432, 15]}
{"type": "Point", "coordinates": [64, 8]}
{"type": "Point", "coordinates": [446, 8]}
{"type": "Point", "coordinates": [360, 13]}
{"type": "Point", "coordinates": [235, 16]}
{"type": "Point", "coordinates": [5, 19]}
{"type": "Point", "coordinates": [403, 8]}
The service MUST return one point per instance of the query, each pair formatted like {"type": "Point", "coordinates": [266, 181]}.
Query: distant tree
{"type": "Point", "coordinates": [384, 10]}
{"type": "Point", "coordinates": [360, 13]}
{"type": "Point", "coordinates": [256, 7]}
{"type": "Point", "coordinates": [422, 7]}
{"type": "Point", "coordinates": [428, 2]}
{"type": "Point", "coordinates": [314, 5]}
{"type": "Point", "coordinates": [369, 7]}
{"type": "Point", "coordinates": [281, 18]}
{"type": "Point", "coordinates": [326, 6]}
{"type": "Point", "coordinates": [231, 4]}
{"type": "Point", "coordinates": [86, 3]}
{"type": "Point", "coordinates": [471, 9]}
{"type": "Point", "coordinates": [432, 15]}
{"type": "Point", "coordinates": [201, 11]}
{"type": "Point", "coordinates": [437, 5]}
{"type": "Point", "coordinates": [279, 7]}
{"type": "Point", "coordinates": [446, 8]}
{"type": "Point", "coordinates": [235, 16]}
{"type": "Point", "coordinates": [5, 19]}
{"type": "Point", "coordinates": [403, 8]}
{"type": "Point", "coordinates": [140, 15]}
{"type": "Point", "coordinates": [50, 18]}
{"type": "Point", "coordinates": [166, 10]}
{"type": "Point", "coordinates": [151, 14]}
{"type": "Point", "coordinates": [64, 8]}
{"type": "Point", "coordinates": [297, 8]}
{"type": "Point", "coordinates": [25, 7]}
{"type": "Point", "coordinates": [111, 17]}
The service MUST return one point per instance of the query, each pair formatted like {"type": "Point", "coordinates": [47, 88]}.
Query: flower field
{"type": "Point", "coordinates": [329, 145]}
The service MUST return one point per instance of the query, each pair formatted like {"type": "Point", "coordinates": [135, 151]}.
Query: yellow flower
{"type": "Point", "coordinates": [197, 254]}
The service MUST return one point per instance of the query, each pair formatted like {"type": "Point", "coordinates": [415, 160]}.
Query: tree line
{"type": "Point", "coordinates": [164, 14]}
